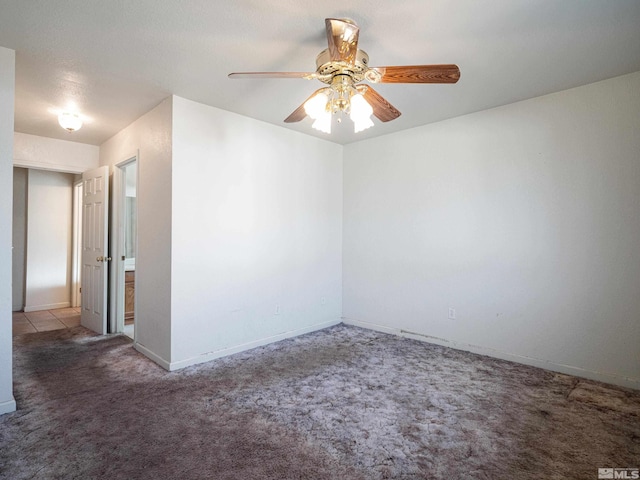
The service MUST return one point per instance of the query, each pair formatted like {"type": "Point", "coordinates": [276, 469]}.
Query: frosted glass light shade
{"type": "Point", "coordinates": [323, 122]}
{"type": "Point", "coordinates": [361, 113]}
{"type": "Point", "coordinates": [70, 121]}
{"type": "Point", "coordinates": [316, 106]}
{"type": "Point", "coordinates": [362, 124]}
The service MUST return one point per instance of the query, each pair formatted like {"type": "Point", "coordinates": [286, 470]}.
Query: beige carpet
{"type": "Point", "coordinates": [342, 403]}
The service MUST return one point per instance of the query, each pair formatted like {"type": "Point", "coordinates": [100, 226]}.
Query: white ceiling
{"type": "Point", "coordinates": [116, 59]}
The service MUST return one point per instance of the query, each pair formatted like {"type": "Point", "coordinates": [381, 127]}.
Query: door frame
{"type": "Point", "coordinates": [76, 257]}
{"type": "Point", "coordinates": [116, 238]}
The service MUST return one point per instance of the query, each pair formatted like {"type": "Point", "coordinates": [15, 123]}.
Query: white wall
{"type": "Point", "coordinates": [523, 218]}
{"type": "Point", "coordinates": [19, 235]}
{"type": "Point", "coordinates": [32, 151]}
{"type": "Point", "coordinates": [150, 137]}
{"type": "Point", "coordinates": [49, 240]}
{"type": "Point", "coordinates": [7, 94]}
{"type": "Point", "coordinates": [256, 234]}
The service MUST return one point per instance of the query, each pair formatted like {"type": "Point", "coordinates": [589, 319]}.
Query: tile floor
{"type": "Point", "coordinates": [41, 321]}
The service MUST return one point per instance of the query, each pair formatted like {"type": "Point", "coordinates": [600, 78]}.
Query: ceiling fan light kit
{"type": "Point", "coordinates": [342, 66]}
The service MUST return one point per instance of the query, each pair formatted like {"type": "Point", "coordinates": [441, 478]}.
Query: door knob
{"type": "Point", "coordinates": [99, 259]}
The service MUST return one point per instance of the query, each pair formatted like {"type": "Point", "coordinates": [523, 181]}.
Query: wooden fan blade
{"type": "Point", "coordinates": [306, 75]}
{"type": "Point", "coordinates": [382, 109]}
{"type": "Point", "coordinates": [419, 74]}
{"type": "Point", "coordinates": [298, 114]}
{"type": "Point", "coordinates": [342, 36]}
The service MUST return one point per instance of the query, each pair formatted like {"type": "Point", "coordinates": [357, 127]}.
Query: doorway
{"type": "Point", "coordinates": [124, 245]}
{"type": "Point", "coordinates": [76, 258]}
{"type": "Point", "coordinates": [42, 221]}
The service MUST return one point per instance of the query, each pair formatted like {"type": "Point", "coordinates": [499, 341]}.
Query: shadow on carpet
{"type": "Point", "coordinates": [341, 403]}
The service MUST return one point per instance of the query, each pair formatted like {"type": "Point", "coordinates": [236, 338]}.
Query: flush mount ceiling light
{"type": "Point", "coordinates": [342, 66]}
{"type": "Point", "coordinates": [70, 121]}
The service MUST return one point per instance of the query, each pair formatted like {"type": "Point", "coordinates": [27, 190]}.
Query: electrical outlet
{"type": "Point", "coordinates": [452, 313]}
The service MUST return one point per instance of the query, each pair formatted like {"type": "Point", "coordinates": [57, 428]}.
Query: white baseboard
{"type": "Point", "coordinates": [151, 355]}
{"type": "Point", "coordinates": [51, 306]}
{"type": "Point", "coordinates": [490, 352]}
{"type": "Point", "coordinates": [8, 406]}
{"type": "Point", "coordinates": [248, 346]}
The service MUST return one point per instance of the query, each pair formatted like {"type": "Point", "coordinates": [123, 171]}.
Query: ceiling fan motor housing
{"type": "Point", "coordinates": [327, 69]}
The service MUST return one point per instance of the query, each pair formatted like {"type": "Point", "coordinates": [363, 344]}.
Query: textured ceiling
{"type": "Point", "coordinates": [114, 60]}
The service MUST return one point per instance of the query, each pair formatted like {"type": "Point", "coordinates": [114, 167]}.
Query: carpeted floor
{"type": "Point", "coordinates": [342, 403]}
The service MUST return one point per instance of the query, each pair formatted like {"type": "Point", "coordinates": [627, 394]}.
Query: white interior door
{"type": "Point", "coordinates": [95, 204]}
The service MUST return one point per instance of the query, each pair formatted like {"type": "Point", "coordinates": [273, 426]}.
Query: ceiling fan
{"type": "Point", "coordinates": [342, 66]}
